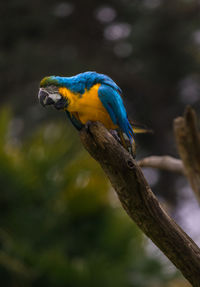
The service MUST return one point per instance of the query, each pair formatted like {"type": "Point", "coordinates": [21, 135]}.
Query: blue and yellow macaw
{"type": "Point", "coordinates": [87, 97]}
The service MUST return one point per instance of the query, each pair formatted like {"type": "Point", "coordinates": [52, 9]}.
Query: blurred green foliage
{"type": "Point", "coordinates": [60, 224]}
{"type": "Point", "coordinates": [151, 48]}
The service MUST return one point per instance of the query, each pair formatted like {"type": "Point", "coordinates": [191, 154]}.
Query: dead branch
{"type": "Point", "coordinates": [163, 162]}
{"type": "Point", "coordinates": [140, 203]}
{"type": "Point", "coordinates": [188, 144]}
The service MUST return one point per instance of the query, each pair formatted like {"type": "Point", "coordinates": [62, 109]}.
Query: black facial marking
{"type": "Point", "coordinates": [61, 104]}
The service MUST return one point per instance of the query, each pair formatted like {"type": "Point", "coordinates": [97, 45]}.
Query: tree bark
{"type": "Point", "coordinates": [188, 144]}
{"type": "Point", "coordinates": [140, 203]}
{"type": "Point", "coordinates": [165, 162]}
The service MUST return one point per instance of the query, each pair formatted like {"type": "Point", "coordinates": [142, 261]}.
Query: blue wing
{"type": "Point", "coordinates": [78, 125]}
{"type": "Point", "coordinates": [113, 103]}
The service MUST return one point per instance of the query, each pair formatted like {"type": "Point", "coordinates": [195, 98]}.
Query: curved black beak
{"type": "Point", "coordinates": [44, 98]}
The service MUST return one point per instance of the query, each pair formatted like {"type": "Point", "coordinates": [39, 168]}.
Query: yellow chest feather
{"type": "Point", "coordinates": [88, 106]}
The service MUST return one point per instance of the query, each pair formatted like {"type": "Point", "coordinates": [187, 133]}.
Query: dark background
{"type": "Point", "coordinates": [60, 223]}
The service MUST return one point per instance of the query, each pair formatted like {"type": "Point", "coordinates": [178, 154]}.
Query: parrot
{"type": "Point", "coordinates": [88, 97]}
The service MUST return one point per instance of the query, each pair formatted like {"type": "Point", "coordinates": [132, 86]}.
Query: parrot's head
{"type": "Point", "coordinates": [49, 93]}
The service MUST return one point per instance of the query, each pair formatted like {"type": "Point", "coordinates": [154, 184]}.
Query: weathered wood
{"type": "Point", "coordinates": [165, 162]}
{"type": "Point", "coordinates": [188, 144]}
{"type": "Point", "coordinates": [140, 203]}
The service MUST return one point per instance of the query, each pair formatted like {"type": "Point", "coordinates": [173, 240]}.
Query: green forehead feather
{"type": "Point", "coordinates": [47, 81]}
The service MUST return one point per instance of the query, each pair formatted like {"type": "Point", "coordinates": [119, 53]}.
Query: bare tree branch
{"type": "Point", "coordinates": [188, 144]}
{"type": "Point", "coordinates": [163, 162]}
{"type": "Point", "coordinates": [140, 203]}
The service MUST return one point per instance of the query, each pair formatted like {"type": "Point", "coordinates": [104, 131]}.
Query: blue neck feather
{"type": "Point", "coordinates": [80, 82]}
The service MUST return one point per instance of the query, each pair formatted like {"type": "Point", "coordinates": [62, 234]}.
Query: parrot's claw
{"type": "Point", "coordinates": [87, 126]}
{"type": "Point", "coordinates": [115, 135]}
{"type": "Point", "coordinates": [132, 152]}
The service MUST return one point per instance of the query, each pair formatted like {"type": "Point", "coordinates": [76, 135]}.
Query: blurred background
{"type": "Point", "coordinates": [60, 221]}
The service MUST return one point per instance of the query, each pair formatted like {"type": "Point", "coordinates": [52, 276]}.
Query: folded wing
{"type": "Point", "coordinates": [113, 103]}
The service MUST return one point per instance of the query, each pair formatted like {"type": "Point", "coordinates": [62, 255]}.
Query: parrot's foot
{"type": "Point", "coordinates": [115, 135]}
{"type": "Point", "coordinates": [125, 142]}
{"type": "Point", "coordinates": [87, 126]}
{"type": "Point", "coordinates": [132, 151]}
